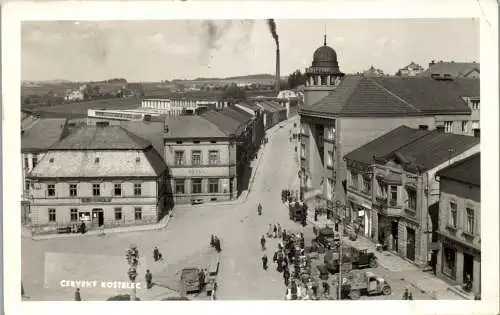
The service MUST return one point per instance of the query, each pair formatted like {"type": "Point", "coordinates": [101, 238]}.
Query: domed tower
{"type": "Point", "coordinates": [323, 76]}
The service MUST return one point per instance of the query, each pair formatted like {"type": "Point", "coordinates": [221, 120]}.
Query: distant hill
{"type": "Point", "coordinates": [243, 77]}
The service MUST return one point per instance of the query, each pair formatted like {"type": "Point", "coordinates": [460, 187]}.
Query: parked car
{"type": "Point", "coordinates": [357, 283]}
{"type": "Point", "coordinates": [190, 280]}
{"type": "Point", "coordinates": [357, 258]}
{"type": "Point", "coordinates": [328, 238]}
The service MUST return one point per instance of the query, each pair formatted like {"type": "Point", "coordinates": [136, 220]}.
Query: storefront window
{"type": "Point", "coordinates": [449, 262]}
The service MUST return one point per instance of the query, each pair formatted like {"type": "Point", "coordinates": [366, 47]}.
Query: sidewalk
{"type": "Point", "coordinates": [423, 281]}
{"type": "Point", "coordinates": [25, 232]}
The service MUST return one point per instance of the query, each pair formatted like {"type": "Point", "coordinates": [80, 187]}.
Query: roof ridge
{"type": "Point", "coordinates": [135, 138]}
{"type": "Point", "coordinates": [394, 95]}
{"type": "Point", "coordinates": [424, 134]}
{"type": "Point", "coordinates": [214, 124]}
{"type": "Point", "coordinates": [357, 77]}
{"type": "Point", "coordinates": [459, 162]}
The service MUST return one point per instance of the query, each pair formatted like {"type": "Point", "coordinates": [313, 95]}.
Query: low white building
{"type": "Point", "coordinates": [74, 95]}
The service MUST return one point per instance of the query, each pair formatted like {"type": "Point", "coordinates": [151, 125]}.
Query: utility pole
{"type": "Point", "coordinates": [341, 231]}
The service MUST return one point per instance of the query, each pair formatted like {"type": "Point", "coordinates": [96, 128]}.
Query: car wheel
{"type": "Point", "coordinates": [373, 263]}
{"type": "Point", "coordinates": [386, 290]}
{"type": "Point", "coordinates": [354, 295]}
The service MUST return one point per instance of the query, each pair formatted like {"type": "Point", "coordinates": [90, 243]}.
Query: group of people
{"type": "Point", "coordinates": [215, 243]}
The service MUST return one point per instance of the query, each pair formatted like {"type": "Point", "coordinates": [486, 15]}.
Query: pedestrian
{"type": "Point", "coordinates": [410, 296]}
{"type": "Point", "coordinates": [212, 241]}
{"type": "Point", "coordinates": [314, 288]}
{"type": "Point", "coordinates": [275, 256]}
{"type": "Point", "coordinates": [286, 276]}
{"type": "Point", "coordinates": [406, 295]}
{"type": "Point", "coordinates": [77, 295]}
{"type": "Point", "coordinates": [264, 262]}
{"type": "Point", "coordinates": [217, 245]}
{"type": "Point", "coordinates": [270, 230]}
{"type": "Point", "coordinates": [279, 230]}
{"type": "Point", "coordinates": [326, 288]}
{"type": "Point", "coordinates": [149, 279]}
{"type": "Point", "coordinates": [280, 264]}
{"type": "Point", "coordinates": [275, 231]}
{"type": "Point", "coordinates": [283, 235]}
{"type": "Point", "coordinates": [294, 290]}
{"type": "Point", "coordinates": [316, 212]}
{"type": "Point", "coordinates": [201, 276]}
{"type": "Point", "coordinates": [263, 242]}
{"type": "Point", "coordinates": [156, 254]}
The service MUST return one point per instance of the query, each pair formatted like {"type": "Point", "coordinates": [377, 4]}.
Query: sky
{"type": "Point", "coordinates": [152, 51]}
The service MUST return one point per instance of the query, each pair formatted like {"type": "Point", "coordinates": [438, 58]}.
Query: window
{"type": "Point", "coordinates": [367, 185]}
{"type": "Point", "coordinates": [179, 158]}
{"type": "Point", "coordinates": [331, 133]}
{"type": "Point", "coordinates": [475, 124]}
{"type": "Point", "coordinates": [118, 214]}
{"type": "Point", "coordinates": [196, 186]}
{"type": "Point", "coordinates": [117, 191]}
{"type": "Point", "coordinates": [213, 157]}
{"type": "Point", "coordinates": [96, 189]}
{"type": "Point", "coordinates": [51, 190]}
{"type": "Point", "coordinates": [448, 126]}
{"type": "Point", "coordinates": [196, 158]}
{"type": "Point", "coordinates": [34, 161]}
{"type": "Point", "coordinates": [475, 104]}
{"type": "Point", "coordinates": [196, 141]}
{"type": "Point", "coordinates": [213, 185]}
{"type": "Point", "coordinates": [138, 213]}
{"type": "Point", "coordinates": [26, 162]}
{"type": "Point", "coordinates": [394, 195]}
{"type": "Point", "coordinates": [73, 214]}
{"type": "Point", "coordinates": [469, 228]}
{"type": "Point", "coordinates": [453, 214]}
{"type": "Point", "coordinates": [180, 186]}
{"type": "Point", "coordinates": [52, 215]}
{"type": "Point", "coordinates": [137, 189]}
{"type": "Point", "coordinates": [354, 180]}
{"type": "Point", "coordinates": [323, 80]}
{"type": "Point", "coordinates": [329, 162]}
{"type": "Point", "coordinates": [412, 199]}
{"type": "Point", "coordinates": [465, 124]}
{"type": "Point", "coordinates": [73, 192]}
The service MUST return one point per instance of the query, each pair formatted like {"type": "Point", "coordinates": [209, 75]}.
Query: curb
{"type": "Point", "coordinates": [160, 225]}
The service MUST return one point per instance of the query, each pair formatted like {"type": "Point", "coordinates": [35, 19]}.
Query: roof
{"type": "Point", "coordinates": [270, 106]}
{"type": "Point", "coordinates": [151, 131]}
{"type": "Point", "coordinates": [188, 95]}
{"type": "Point", "coordinates": [414, 148]}
{"type": "Point", "coordinates": [455, 69]}
{"type": "Point", "coordinates": [43, 134]}
{"type": "Point", "coordinates": [467, 170]}
{"type": "Point", "coordinates": [249, 104]}
{"type": "Point", "coordinates": [238, 114]}
{"type": "Point", "coordinates": [102, 138]}
{"type": "Point", "coordinates": [228, 125]}
{"type": "Point", "coordinates": [100, 163]}
{"type": "Point", "coordinates": [360, 96]}
{"type": "Point", "coordinates": [180, 127]}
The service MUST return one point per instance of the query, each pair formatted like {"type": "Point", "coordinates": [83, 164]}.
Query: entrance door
{"type": "Point", "coordinates": [98, 217]}
{"type": "Point", "coordinates": [410, 243]}
{"type": "Point", "coordinates": [468, 268]}
{"type": "Point", "coordinates": [394, 232]}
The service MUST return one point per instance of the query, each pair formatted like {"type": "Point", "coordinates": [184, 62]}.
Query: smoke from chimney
{"type": "Point", "coordinates": [274, 33]}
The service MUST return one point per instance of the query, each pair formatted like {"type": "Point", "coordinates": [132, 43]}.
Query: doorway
{"type": "Point", "coordinates": [410, 243]}
{"type": "Point", "coordinates": [468, 267]}
{"type": "Point", "coordinates": [98, 217]}
{"type": "Point", "coordinates": [394, 233]}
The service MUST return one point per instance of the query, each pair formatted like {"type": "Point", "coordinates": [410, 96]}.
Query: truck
{"type": "Point", "coordinates": [328, 238]}
{"type": "Point", "coordinates": [356, 283]}
{"type": "Point", "coordinates": [190, 280]}
{"type": "Point", "coordinates": [357, 258]}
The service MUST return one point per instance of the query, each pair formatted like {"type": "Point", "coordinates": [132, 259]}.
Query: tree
{"type": "Point", "coordinates": [295, 79]}
{"type": "Point", "coordinates": [234, 92]}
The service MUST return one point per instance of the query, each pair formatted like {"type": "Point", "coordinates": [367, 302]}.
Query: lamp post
{"type": "Point", "coordinates": [133, 261]}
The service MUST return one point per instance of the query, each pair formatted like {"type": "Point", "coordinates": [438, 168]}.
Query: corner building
{"type": "Point", "coordinates": [102, 176]}
{"type": "Point", "coordinates": [343, 112]}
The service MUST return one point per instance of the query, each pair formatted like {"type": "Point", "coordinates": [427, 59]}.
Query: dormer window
{"type": "Point", "coordinates": [96, 160]}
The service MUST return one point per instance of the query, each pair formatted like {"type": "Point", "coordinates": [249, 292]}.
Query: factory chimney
{"type": "Point", "coordinates": [278, 81]}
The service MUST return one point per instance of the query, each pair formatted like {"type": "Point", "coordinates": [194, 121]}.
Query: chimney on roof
{"type": "Point", "coordinates": [278, 80]}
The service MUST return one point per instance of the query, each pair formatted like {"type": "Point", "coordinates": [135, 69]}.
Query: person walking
{"type": "Point", "coordinates": [156, 254]}
{"type": "Point", "coordinates": [264, 262]}
{"type": "Point", "coordinates": [406, 295]}
{"type": "Point", "coordinates": [217, 245]}
{"type": "Point", "coordinates": [212, 241]}
{"type": "Point", "coordinates": [275, 231]}
{"type": "Point", "coordinates": [286, 276]}
{"type": "Point", "coordinates": [263, 242]}
{"type": "Point", "coordinates": [279, 230]}
{"type": "Point", "coordinates": [315, 287]}
{"type": "Point", "coordinates": [77, 295]}
{"type": "Point", "coordinates": [201, 276]}
{"type": "Point", "coordinates": [149, 279]}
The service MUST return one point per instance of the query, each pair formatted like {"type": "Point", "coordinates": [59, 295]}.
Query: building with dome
{"type": "Point", "coordinates": [343, 112]}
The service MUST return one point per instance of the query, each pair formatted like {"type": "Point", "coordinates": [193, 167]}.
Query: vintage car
{"type": "Point", "coordinates": [190, 280]}
{"type": "Point", "coordinates": [357, 258]}
{"type": "Point", "coordinates": [356, 283]}
{"type": "Point", "coordinates": [328, 238]}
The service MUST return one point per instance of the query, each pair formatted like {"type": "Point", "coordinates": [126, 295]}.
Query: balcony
{"type": "Point", "coordinates": [382, 200]}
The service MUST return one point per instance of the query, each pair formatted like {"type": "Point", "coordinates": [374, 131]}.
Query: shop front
{"type": "Point", "coordinates": [361, 216]}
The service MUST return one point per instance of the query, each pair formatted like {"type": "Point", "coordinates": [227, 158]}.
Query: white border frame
{"type": "Point", "coordinates": [487, 10]}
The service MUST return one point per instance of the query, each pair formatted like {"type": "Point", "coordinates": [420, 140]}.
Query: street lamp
{"type": "Point", "coordinates": [133, 261]}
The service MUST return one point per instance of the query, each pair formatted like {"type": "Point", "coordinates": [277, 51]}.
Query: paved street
{"type": "Point", "coordinates": [185, 243]}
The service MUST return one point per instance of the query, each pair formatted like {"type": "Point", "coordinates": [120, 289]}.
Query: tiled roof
{"type": "Point", "coordinates": [467, 170]}
{"type": "Point", "coordinates": [43, 134]}
{"type": "Point", "coordinates": [151, 131]}
{"type": "Point", "coordinates": [192, 127]}
{"type": "Point", "coordinates": [394, 96]}
{"type": "Point", "coordinates": [226, 124]}
{"type": "Point", "coordinates": [422, 149]}
{"type": "Point", "coordinates": [237, 114]}
{"type": "Point", "coordinates": [384, 144]}
{"type": "Point", "coordinates": [455, 69]}
{"type": "Point", "coordinates": [270, 105]}
{"type": "Point", "coordinates": [100, 163]}
{"type": "Point", "coordinates": [102, 138]}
